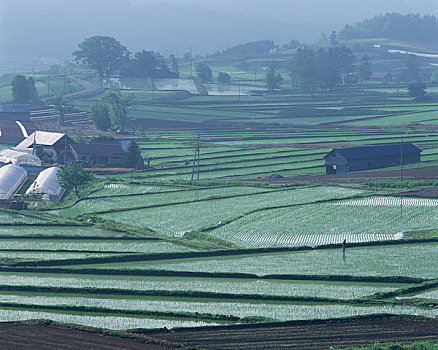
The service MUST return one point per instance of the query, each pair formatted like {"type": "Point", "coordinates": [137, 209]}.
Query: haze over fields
{"type": "Point", "coordinates": [41, 32]}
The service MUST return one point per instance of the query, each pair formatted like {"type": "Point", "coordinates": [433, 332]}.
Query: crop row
{"type": "Point", "coordinates": [412, 260]}
{"type": "Point", "coordinates": [178, 219]}
{"type": "Point", "coordinates": [355, 220]}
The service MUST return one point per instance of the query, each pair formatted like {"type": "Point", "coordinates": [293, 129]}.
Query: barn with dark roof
{"type": "Point", "coordinates": [344, 160]}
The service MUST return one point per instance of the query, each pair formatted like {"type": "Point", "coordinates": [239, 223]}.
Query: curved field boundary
{"type": "Point", "coordinates": [185, 202]}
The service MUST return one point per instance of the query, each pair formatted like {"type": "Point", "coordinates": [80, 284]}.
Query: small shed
{"type": "Point", "coordinates": [15, 111]}
{"type": "Point", "coordinates": [349, 159]}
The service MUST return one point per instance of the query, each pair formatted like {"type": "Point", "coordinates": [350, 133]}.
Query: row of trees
{"type": "Point", "coordinates": [324, 68]}
{"type": "Point", "coordinates": [108, 56]}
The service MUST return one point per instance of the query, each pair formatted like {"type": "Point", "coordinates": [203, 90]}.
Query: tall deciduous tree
{"type": "Point", "coordinates": [204, 73]}
{"type": "Point", "coordinates": [100, 115]}
{"type": "Point", "coordinates": [417, 90]}
{"type": "Point", "coordinates": [118, 107]}
{"type": "Point", "coordinates": [273, 79]}
{"type": "Point", "coordinates": [412, 68]}
{"type": "Point", "coordinates": [74, 177]}
{"type": "Point", "coordinates": [364, 69]}
{"type": "Point", "coordinates": [103, 53]}
{"type": "Point", "coordinates": [23, 89]}
{"type": "Point", "coordinates": [62, 106]}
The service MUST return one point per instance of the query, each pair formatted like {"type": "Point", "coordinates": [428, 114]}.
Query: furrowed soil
{"type": "Point", "coordinates": [47, 335]}
{"type": "Point", "coordinates": [342, 333]}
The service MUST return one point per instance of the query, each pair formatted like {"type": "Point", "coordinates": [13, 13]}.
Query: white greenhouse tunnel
{"type": "Point", "coordinates": [47, 184]}
{"type": "Point", "coordinates": [12, 178]}
{"type": "Point", "coordinates": [9, 155]}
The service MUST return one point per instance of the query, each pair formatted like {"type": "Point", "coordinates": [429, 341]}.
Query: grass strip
{"type": "Point", "coordinates": [223, 275]}
{"type": "Point", "coordinates": [119, 312]}
{"type": "Point", "coordinates": [172, 294]}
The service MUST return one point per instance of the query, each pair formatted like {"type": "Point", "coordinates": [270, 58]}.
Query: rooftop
{"type": "Point", "coordinates": [44, 138]}
{"type": "Point", "coordinates": [364, 152]}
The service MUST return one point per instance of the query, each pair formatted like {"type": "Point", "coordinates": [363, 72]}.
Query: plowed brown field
{"type": "Point", "coordinates": [354, 331]}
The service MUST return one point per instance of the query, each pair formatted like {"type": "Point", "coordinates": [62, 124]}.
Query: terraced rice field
{"type": "Point", "coordinates": [339, 220]}
{"type": "Point", "coordinates": [176, 220]}
{"type": "Point", "coordinates": [321, 289]}
{"type": "Point", "coordinates": [100, 321]}
{"type": "Point", "coordinates": [413, 260]}
{"type": "Point", "coordinates": [90, 245]}
{"type": "Point", "coordinates": [281, 312]}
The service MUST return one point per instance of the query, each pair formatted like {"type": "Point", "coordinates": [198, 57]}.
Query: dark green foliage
{"type": "Point", "coordinates": [132, 154]}
{"type": "Point", "coordinates": [412, 69]}
{"type": "Point", "coordinates": [294, 44]}
{"type": "Point", "coordinates": [364, 69]}
{"type": "Point", "coordinates": [417, 90]}
{"type": "Point", "coordinates": [273, 79]}
{"type": "Point", "coordinates": [410, 27]}
{"type": "Point", "coordinates": [103, 138]}
{"type": "Point", "coordinates": [62, 106]}
{"type": "Point", "coordinates": [118, 106]}
{"type": "Point", "coordinates": [413, 346]}
{"type": "Point", "coordinates": [103, 53]}
{"type": "Point", "coordinates": [333, 38]}
{"type": "Point", "coordinates": [326, 68]}
{"type": "Point", "coordinates": [46, 157]}
{"type": "Point", "coordinates": [204, 73]}
{"type": "Point", "coordinates": [223, 78]}
{"type": "Point", "coordinates": [146, 64]}
{"type": "Point", "coordinates": [74, 177]}
{"type": "Point", "coordinates": [100, 115]}
{"type": "Point", "coordinates": [261, 47]}
{"type": "Point", "coordinates": [174, 65]}
{"type": "Point", "coordinates": [23, 90]}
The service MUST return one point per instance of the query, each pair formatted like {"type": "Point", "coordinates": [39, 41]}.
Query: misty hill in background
{"type": "Point", "coordinates": [41, 32]}
{"type": "Point", "coordinates": [410, 27]}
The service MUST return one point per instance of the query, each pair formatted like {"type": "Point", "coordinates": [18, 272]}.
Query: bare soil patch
{"type": "Point", "coordinates": [47, 335]}
{"type": "Point", "coordinates": [353, 331]}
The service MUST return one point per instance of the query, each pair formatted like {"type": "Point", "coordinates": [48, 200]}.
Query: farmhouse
{"type": "Point", "coordinates": [105, 153]}
{"type": "Point", "coordinates": [344, 160]}
{"type": "Point", "coordinates": [53, 142]}
{"type": "Point", "coordinates": [15, 111]}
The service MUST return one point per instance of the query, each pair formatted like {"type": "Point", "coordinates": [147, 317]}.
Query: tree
{"type": "Point", "coordinates": [223, 78]}
{"type": "Point", "coordinates": [204, 73]}
{"type": "Point", "coordinates": [333, 39]}
{"type": "Point", "coordinates": [103, 53]}
{"type": "Point", "coordinates": [132, 154]}
{"type": "Point", "coordinates": [304, 69]}
{"type": "Point", "coordinates": [146, 64]}
{"type": "Point", "coordinates": [364, 69]}
{"type": "Point", "coordinates": [273, 79]}
{"type": "Point", "coordinates": [100, 115]}
{"type": "Point", "coordinates": [412, 68]}
{"type": "Point", "coordinates": [23, 90]}
{"type": "Point", "coordinates": [174, 64]}
{"type": "Point", "coordinates": [45, 156]}
{"type": "Point", "coordinates": [118, 105]}
{"type": "Point", "coordinates": [61, 106]}
{"type": "Point", "coordinates": [417, 90]}
{"type": "Point", "coordinates": [74, 177]}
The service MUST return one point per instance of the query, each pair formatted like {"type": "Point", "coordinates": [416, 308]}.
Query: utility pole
{"type": "Point", "coordinates": [65, 91]}
{"type": "Point", "coordinates": [196, 159]}
{"type": "Point", "coordinates": [401, 160]}
{"type": "Point", "coordinates": [48, 86]}
{"type": "Point", "coordinates": [191, 62]}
